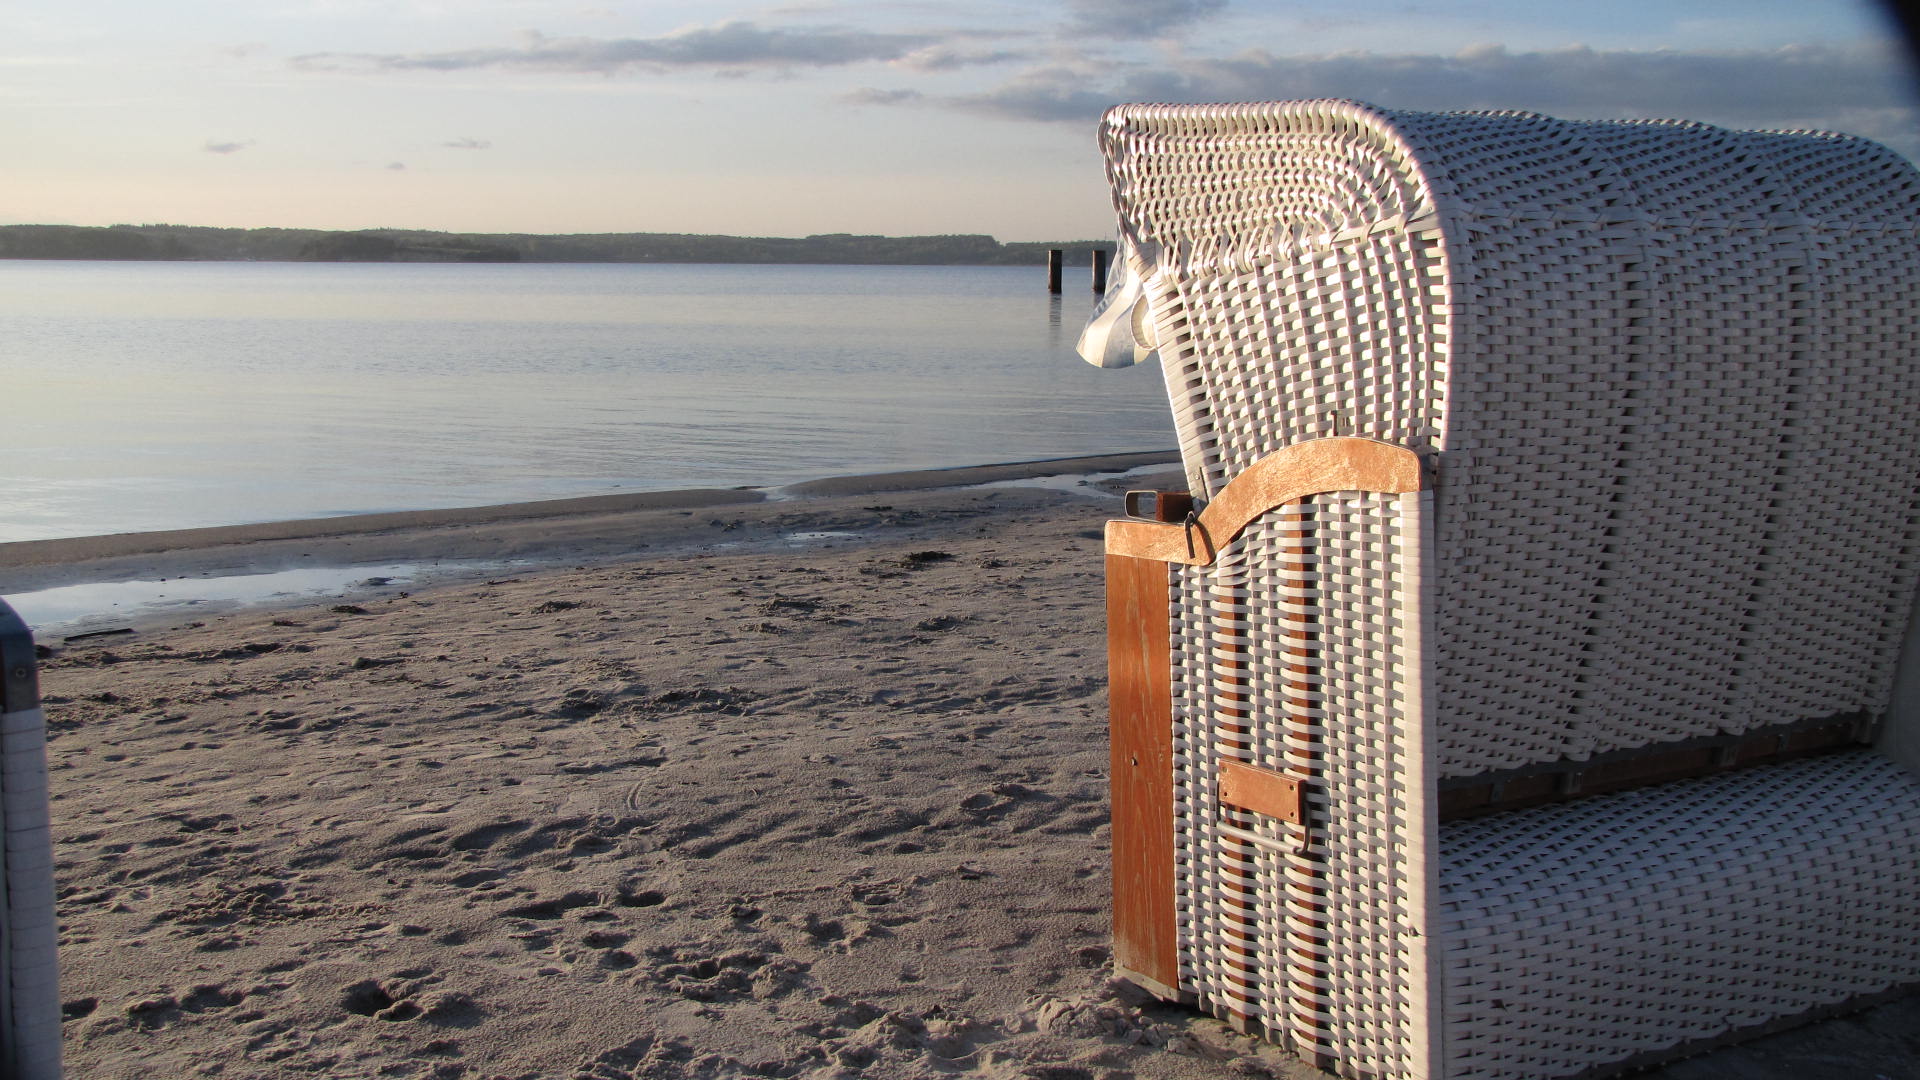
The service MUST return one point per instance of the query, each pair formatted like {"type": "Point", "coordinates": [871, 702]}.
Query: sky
{"type": "Point", "coordinates": [895, 117]}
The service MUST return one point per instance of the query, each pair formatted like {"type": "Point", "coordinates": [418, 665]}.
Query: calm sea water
{"type": "Point", "coordinates": [168, 395]}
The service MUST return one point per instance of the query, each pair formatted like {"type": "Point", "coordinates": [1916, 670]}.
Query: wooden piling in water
{"type": "Point", "coordinates": [1055, 260]}
{"type": "Point", "coordinates": [1099, 271]}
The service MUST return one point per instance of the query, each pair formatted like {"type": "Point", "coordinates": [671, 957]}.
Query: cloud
{"type": "Point", "coordinates": [1800, 85]}
{"type": "Point", "coordinates": [227, 147]}
{"type": "Point", "coordinates": [468, 142]}
{"type": "Point", "coordinates": [1052, 93]}
{"type": "Point", "coordinates": [1791, 82]}
{"type": "Point", "coordinates": [396, 166]}
{"type": "Point", "coordinates": [1138, 18]}
{"type": "Point", "coordinates": [735, 44]}
{"type": "Point", "coordinates": [868, 95]}
{"type": "Point", "coordinates": [949, 57]}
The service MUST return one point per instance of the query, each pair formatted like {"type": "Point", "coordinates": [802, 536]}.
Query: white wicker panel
{"type": "Point", "coordinates": [1314, 933]}
{"type": "Point", "coordinates": [1533, 441]}
{"type": "Point", "coordinates": [1846, 554]}
{"type": "Point", "coordinates": [1581, 935]}
{"type": "Point", "coordinates": [1192, 779]}
{"type": "Point", "coordinates": [1235, 915]}
{"type": "Point", "coordinates": [1258, 342]}
{"type": "Point", "coordinates": [1363, 807]}
{"type": "Point", "coordinates": [1288, 733]}
{"type": "Point", "coordinates": [1712, 373]}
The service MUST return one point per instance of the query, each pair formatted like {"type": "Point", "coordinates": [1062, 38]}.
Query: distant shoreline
{"type": "Point", "coordinates": [192, 243]}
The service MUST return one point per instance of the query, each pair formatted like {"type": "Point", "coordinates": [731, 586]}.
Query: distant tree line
{"type": "Point", "coordinates": [189, 242]}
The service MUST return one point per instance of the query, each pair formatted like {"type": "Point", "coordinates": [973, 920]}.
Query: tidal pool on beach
{"type": "Point", "coordinates": [105, 605]}
{"type": "Point", "coordinates": [170, 586]}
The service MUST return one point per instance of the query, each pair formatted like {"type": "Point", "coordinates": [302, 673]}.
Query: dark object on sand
{"type": "Point", "coordinates": [29, 970]}
{"type": "Point", "coordinates": [98, 633]}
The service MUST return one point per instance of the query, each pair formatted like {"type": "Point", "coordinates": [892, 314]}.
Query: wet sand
{"type": "Point", "coordinates": [682, 798]}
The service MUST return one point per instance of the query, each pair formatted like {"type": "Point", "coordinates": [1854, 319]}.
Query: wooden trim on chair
{"type": "Point", "coordinates": [1263, 791]}
{"type": "Point", "coordinates": [1623, 770]}
{"type": "Point", "coordinates": [1288, 475]}
{"type": "Point", "coordinates": [1140, 703]}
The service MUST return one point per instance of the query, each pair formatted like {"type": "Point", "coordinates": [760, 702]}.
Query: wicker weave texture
{"type": "Point", "coordinates": [1582, 935]}
{"type": "Point", "coordinates": [1664, 372]}
{"type": "Point", "coordinates": [1314, 933]}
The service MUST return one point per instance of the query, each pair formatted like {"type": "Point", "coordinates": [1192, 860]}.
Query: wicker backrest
{"type": "Point", "coordinates": [1663, 373]}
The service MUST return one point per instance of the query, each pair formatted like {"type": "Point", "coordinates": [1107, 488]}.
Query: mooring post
{"type": "Point", "coordinates": [1099, 270]}
{"type": "Point", "coordinates": [1054, 261]}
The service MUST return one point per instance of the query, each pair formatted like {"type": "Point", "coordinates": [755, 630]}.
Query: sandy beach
{"type": "Point", "coordinates": [811, 786]}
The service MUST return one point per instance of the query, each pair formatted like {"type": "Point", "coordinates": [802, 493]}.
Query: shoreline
{"type": "Point", "coordinates": [22, 554]}
{"type": "Point", "coordinates": [203, 572]}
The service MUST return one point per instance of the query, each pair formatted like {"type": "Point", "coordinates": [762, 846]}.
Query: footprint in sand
{"type": "Point", "coordinates": [548, 837]}
{"type": "Point", "coordinates": [410, 995]}
{"type": "Point", "coordinates": [482, 878]}
{"type": "Point", "coordinates": [555, 907]}
{"type": "Point", "coordinates": [611, 956]}
{"type": "Point", "coordinates": [162, 1009]}
{"type": "Point", "coordinates": [486, 836]}
{"type": "Point", "coordinates": [698, 977]}
{"type": "Point", "coordinates": [641, 897]}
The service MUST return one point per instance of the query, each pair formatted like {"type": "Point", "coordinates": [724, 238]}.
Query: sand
{"type": "Point", "coordinates": [729, 804]}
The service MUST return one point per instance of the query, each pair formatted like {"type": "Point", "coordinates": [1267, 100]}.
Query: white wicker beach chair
{"type": "Point", "coordinates": [1508, 708]}
{"type": "Point", "coordinates": [29, 971]}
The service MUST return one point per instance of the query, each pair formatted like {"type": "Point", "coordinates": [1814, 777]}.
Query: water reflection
{"type": "Point", "coordinates": [170, 395]}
